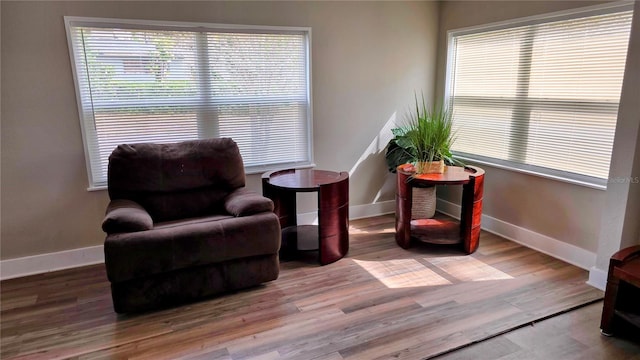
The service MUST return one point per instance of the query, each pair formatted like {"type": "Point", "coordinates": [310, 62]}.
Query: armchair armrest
{"type": "Point", "coordinates": [243, 202]}
{"type": "Point", "coordinates": [126, 216]}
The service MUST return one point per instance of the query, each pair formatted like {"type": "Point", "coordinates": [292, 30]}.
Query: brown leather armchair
{"type": "Point", "coordinates": [182, 226]}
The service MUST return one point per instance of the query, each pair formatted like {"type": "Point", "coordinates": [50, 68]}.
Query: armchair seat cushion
{"type": "Point", "coordinates": [187, 243]}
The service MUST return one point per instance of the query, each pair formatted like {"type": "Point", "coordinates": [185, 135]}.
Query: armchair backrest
{"type": "Point", "coordinates": [176, 181]}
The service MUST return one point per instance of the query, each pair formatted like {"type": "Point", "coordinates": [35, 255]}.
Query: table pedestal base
{"type": "Point", "coordinates": [440, 231]}
{"type": "Point", "coordinates": [331, 236]}
{"type": "Point", "coordinates": [301, 237]}
{"type": "Point", "coordinates": [436, 231]}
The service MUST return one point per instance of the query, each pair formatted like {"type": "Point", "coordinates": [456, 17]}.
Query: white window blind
{"type": "Point", "coordinates": [141, 81]}
{"type": "Point", "coordinates": [543, 96]}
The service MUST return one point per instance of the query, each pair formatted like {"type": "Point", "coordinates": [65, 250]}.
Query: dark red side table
{"type": "Point", "coordinates": [622, 296]}
{"type": "Point", "coordinates": [466, 232]}
{"type": "Point", "coordinates": [332, 232]}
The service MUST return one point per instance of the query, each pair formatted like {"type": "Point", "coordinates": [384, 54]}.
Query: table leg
{"type": "Point", "coordinates": [471, 213]}
{"type": "Point", "coordinates": [608, 308]}
{"type": "Point", "coordinates": [333, 220]}
{"type": "Point", "coordinates": [284, 203]}
{"type": "Point", "coordinates": [404, 199]}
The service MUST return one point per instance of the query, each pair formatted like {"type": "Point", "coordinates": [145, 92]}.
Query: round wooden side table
{"type": "Point", "coordinates": [332, 232]}
{"type": "Point", "coordinates": [465, 232]}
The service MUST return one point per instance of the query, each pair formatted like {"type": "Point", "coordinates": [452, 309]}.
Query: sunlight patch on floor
{"type": "Point", "coordinates": [467, 268]}
{"type": "Point", "coordinates": [402, 273]}
{"type": "Point", "coordinates": [355, 231]}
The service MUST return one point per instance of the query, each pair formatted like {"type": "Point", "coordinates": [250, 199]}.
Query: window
{"type": "Point", "coordinates": [540, 95]}
{"type": "Point", "coordinates": [143, 81]}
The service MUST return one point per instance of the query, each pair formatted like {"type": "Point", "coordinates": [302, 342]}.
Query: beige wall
{"type": "Point", "coordinates": [367, 60]}
{"type": "Point", "coordinates": [620, 226]}
{"type": "Point", "coordinates": [566, 212]}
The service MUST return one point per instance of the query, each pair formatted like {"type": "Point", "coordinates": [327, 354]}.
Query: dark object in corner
{"type": "Point", "coordinates": [181, 226]}
{"type": "Point", "coordinates": [622, 297]}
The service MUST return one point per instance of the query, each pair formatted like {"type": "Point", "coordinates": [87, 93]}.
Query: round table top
{"type": "Point", "coordinates": [303, 179]}
{"type": "Point", "coordinates": [451, 175]}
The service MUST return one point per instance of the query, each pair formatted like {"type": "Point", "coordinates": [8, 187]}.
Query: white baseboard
{"type": "Point", "coordinates": [370, 210]}
{"type": "Point", "coordinates": [545, 244]}
{"type": "Point", "coordinates": [355, 212]}
{"type": "Point", "coordinates": [597, 278]}
{"type": "Point", "coordinates": [38, 264]}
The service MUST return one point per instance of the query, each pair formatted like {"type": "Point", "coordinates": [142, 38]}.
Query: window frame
{"type": "Point", "coordinates": [135, 24]}
{"type": "Point", "coordinates": [554, 174]}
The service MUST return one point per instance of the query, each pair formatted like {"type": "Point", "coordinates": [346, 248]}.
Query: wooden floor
{"type": "Point", "coordinates": [572, 335]}
{"type": "Point", "coordinates": [379, 302]}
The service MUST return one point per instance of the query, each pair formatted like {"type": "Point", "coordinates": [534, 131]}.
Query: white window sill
{"type": "Point", "coordinates": [560, 178]}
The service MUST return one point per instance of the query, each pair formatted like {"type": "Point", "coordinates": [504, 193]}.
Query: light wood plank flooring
{"type": "Point", "coordinates": [379, 302]}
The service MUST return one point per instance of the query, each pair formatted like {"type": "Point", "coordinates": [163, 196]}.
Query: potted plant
{"type": "Point", "coordinates": [424, 141]}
